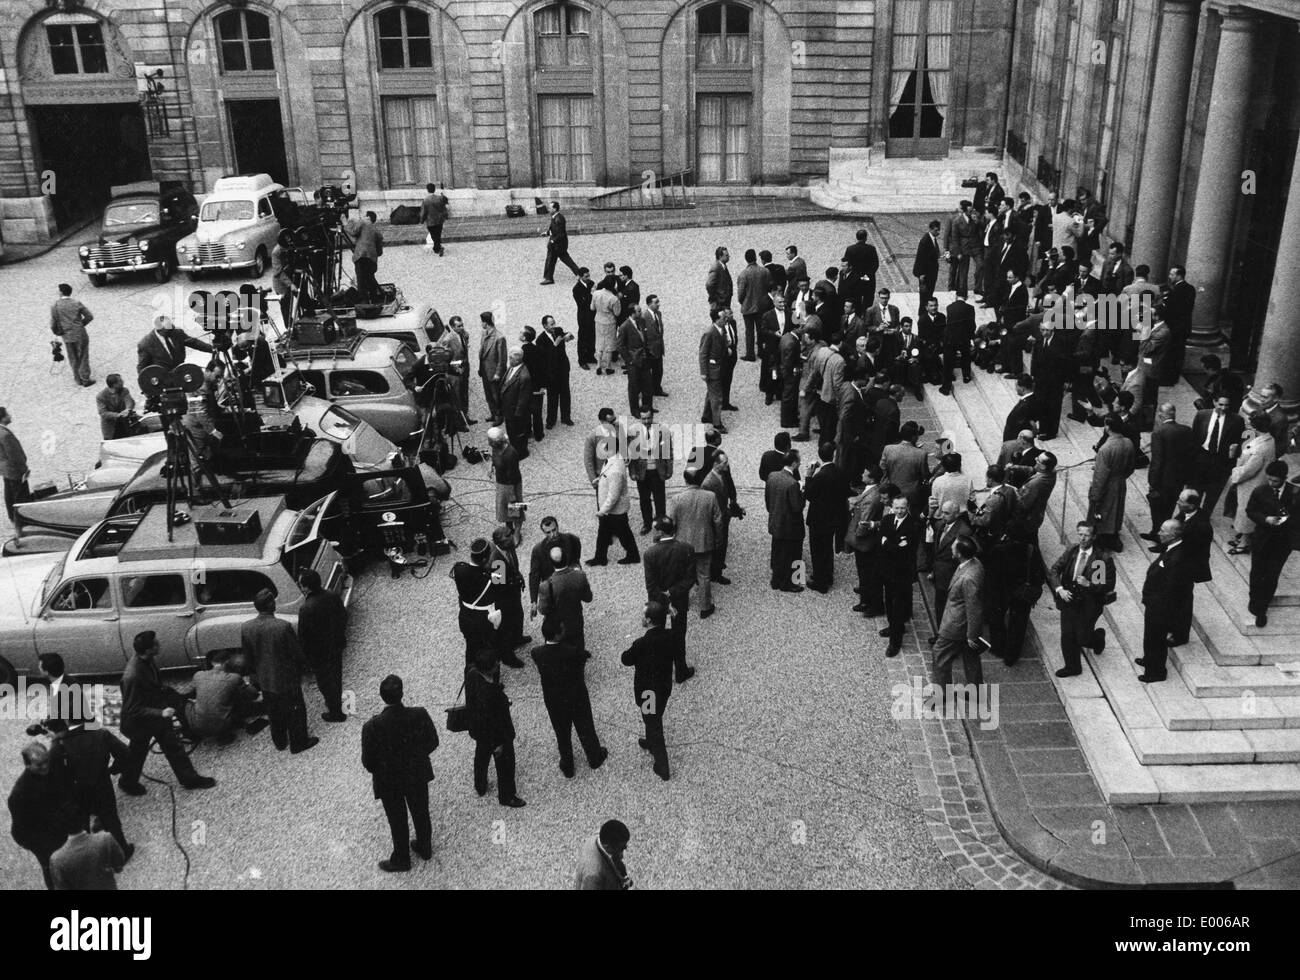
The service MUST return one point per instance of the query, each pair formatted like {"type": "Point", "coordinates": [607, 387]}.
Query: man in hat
{"type": "Point", "coordinates": [479, 617]}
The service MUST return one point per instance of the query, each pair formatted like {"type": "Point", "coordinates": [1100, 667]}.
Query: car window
{"type": "Point", "coordinates": [385, 490]}
{"type": "Point", "coordinates": [132, 503]}
{"type": "Point", "coordinates": [338, 423]}
{"type": "Point", "coordinates": [223, 587]}
{"type": "Point", "coordinates": [407, 337]}
{"type": "Point", "coordinates": [264, 208]}
{"type": "Point", "coordinates": [404, 361]}
{"type": "Point", "coordinates": [146, 591]}
{"type": "Point", "coordinates": [82, 593]}
{"type": "Point", "coordinates": [358, 383]}
{"type": "Point", "coordinates": [317, 381]}
{"type": "Point", "coordinates": [132, 213]}
{"type": "Point", "coordinates": [227, 211]}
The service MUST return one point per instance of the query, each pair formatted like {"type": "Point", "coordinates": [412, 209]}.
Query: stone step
{"type": "Point", "coordinates": [1111, 756]}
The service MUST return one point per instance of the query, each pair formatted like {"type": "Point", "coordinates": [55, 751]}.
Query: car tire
{"type": "Point", "coordinates": [8, 676]}
{"type": "Point", "coordinates": [98, 280]}
{"type": "Point", "coordinates": [259, 263]}
{"type": "Point", "coordinates": [163, 272]}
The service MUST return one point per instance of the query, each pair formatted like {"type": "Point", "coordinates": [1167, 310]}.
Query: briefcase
{"type": "Point", "coordinates": [458, 714]}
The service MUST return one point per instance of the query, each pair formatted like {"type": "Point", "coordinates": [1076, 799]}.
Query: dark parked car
{"type": "Point", "coordinates": [141, 226]}
{"type": "Point", "coordinates": [53, 523]}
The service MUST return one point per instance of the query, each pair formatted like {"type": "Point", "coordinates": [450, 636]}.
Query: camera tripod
{"type": "Point", "coordinates": [183, 458]}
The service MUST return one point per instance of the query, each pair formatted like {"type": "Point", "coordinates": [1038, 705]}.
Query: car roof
{"type": "Point", "coordinates": [364, 350]}
{"type": "Point", "coordinates": [244, 185]}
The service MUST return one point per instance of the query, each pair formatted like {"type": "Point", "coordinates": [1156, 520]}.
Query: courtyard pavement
{"type": "Point", "coordinates": [788, 768]}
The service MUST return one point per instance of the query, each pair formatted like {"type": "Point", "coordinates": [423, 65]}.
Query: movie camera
{"type": "Point", "coordinates": [311, 245]}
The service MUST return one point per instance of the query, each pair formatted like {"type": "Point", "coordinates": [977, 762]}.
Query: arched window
{"type": "Point", "coordinates": [76, 45]}
{"type": "Point", "coordinates": [722, 33]}
{"type": "Point", "coordinates": [244, 41]}
{"type": "Point", "coordinates": [563, 36]}
{"type": "Point", "coordinates": [405, 40]}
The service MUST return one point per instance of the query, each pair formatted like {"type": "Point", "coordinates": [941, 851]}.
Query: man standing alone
{"type": "Point", "coordinates": [271, 647]}
{"type": "Point", "coordinates": [557, 246]}
{"type": "Point", "coordinates": [433, 214]}
{"type": "Point", "coordinates": [68, 319]}
{"type": "Point", "coordinates": [395, 749]}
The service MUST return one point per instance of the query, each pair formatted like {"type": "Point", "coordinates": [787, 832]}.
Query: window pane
{"type": "Point", "coordinates": [420, 53]}
{"type": "Point", "coordinates": [222, 588]}
{"type": "Point", "coordinates": [550, 50]}
{"type": "Point", "coordinates": [358, 383]}
{"type": "Point", "coordinates": [232, 56]}
{"type": "Point", "coordinates": [257, 25]}
{"type": "Point", "coordinates": [144, 591]}
{"type": "Point", "coordinates": [86, 593]}
{"type": "Point", "coordinates": [580, 50]}
{"type": "Point", "coordinates": [710, 19]}
{"type": "Point", "coordinates": [424, 116]}
{"type": "Point", "coordinates": [578, 20]}
{"type": "Point", "coordinates": [417, 23]}
{"type": "Point", "coordinates": [63, 51]}
{"type": "Point", "coordinates": [397, 129]}
{"type": "Point", "coordinates": [389, 22]}
{"type": "Point", "coordinates": [230, 26]}
{"type": "Point", "coordinates": [548, 20]}
{"type": "Point", "coordinates": [555, 139]}
{"type": "Point", "coordinates": [391, 53]}
{"type": "Point", "coordinates": [737, 19]}
{"type": "Point", "coordinates": [709, 50]}
{"type": "Point", "coordinates": [737, 138]}
{"type": "Point", "coordinates": [709, 139]}
{"type": "Point", "coordinates": [737, 49]}
{"type": "Point", "coordinates": [261, 56]}
{"type": "Point", "coordinates": [580, 145]}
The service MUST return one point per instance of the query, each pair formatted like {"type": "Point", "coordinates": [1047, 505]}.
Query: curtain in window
{"type": "Point", "coordinates": [555, 139]}
{"type": "Point", "coordinates": [709, 139]}
{"type": "Point", "coordinates": [737, 138]}
{"type": "Point", "coordinates": [550, 43]}
{"type": "Point", "coordinates": [907, 24]}
{"type": "Point", "coordinates": [582, 156]}
{"type": "Point", "coordinates": [938, 46]}
{"type": "Point", "coordinates": [399, 137]}
{"type": "Point", "coordinates": [428, 158]}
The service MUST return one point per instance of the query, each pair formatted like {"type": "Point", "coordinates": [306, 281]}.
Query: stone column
{"type": "Point", "coordinates": [1166, 125]}
{"type": "Point", "coordinates": [1279, 348]}
{"type": "Point", "coordinates": [1218, 189]}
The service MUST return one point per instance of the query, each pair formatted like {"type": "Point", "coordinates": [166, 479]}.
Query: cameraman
{"type": "Point", "coordinates": [367, 246]}
{"type": "Point", "coordinates": [164, 345]}
{"type": "Point", "coordinates": [115, 406]}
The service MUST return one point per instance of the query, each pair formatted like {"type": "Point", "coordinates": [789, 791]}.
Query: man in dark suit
{"type": "Point", "coordinates": [789, 352]}
{"type": "Point", "coordinates": [1082, 581]}
{"type": "Point", "coordinates": [535, 363]}
{"type": "Point", "coordinates": [1025, 413]}
{"type": "Point", "coordinates": [953, 523]}
{"type": "Point", "coordinates": [1198, 538]}
{"type": "Point", "coordinates": [586, 317]}
{"type": "Point", "coordinates": [1217, 435]}
{"type": "Point", "coordinates": [560, 598]}
{"type": "Point", "coordinates": [1050, 365]}
{"type": "Point", "coordinates": [634, 352]}
{"type": "Point", "coordinates": [962, 625]}
{"type": "Point", "coordinates": [1176, 310]}
{"type": "Point", "coordinates": [827, 492]}
{"type": "Point", "coordinates": [271, 648]}
{"type": "Point", "coordinates": [717, 284]}
{"type": "Point", "coordinates": [517, 402]}
{"type": "Point", "coordinates": [552, 343]}
{"type": "Point", "coordinates": [1015, 301]}
{"type": "Point", "coordinates": [989, 193]}
{"type": "Point", "coordinates": [669, 577]}
{"type": "Point", "coordinates": [1167, 588]}
{"type": "Point", "coordinates": [540, 566]}
{"type": "Point", "coordinates": [900, 533]}
{"type": "Point", "coordinates": [796, 271]}
{"type": "Point", "coordinates": [1272, 507]}
{"type": "Point", "coordinates": [557, 246]}
{"type": "Point", "coordinates": [164, 346]}
{"type": "Point", "coordinates": [149, 713]}
{"type": "Point", "coordinates": [1085, 283]}
{"type": "Point", "coordinates": [713, 370]}
{"type": "Point", "coordinates": [652, 656]}
{"type": "Point", "coordinates": [752, 288]}
{"type": "Point", "coordinates": [395, 749]}
{"type": "Point", "coordinates": [653, 322]}
{"type": "Point", "coordinates": [322, 635]}
{"type": "Point", "coordinates": [926, 266]}
{"type": "Point", "coordinates": [81, 754]}
{"type": "Point", "coordinates": [863, 261]}
{"type": "Point", "coordinates": [785, 523]}
{"type": "Point", "coordinates": [773, 459]}
{"type": "Point", "coordinates": [885, 420]}
{"type": "Point", "coordinates": [957, 336]}
{"type": "Point", "coordinates": [1172, 455]}
{"type": "Point", "coordinates": [40, 805]}
{"type": "Point", "coordinates": [568, 703]}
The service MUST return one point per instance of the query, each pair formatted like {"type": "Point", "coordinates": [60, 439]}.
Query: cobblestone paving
{"type": "Point", "coordinates": [788, 769]}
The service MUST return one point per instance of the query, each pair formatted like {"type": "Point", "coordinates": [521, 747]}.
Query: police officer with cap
{"type": "Point", "coordinates": [479, 617]}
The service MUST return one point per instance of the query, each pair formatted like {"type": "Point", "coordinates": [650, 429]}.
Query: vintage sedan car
{"type": "Point", "coordinates": [369, 376]}
{"type": "Point", "coordinates": [124, 576]}
{"type": "Point", "coordinates": [53, 523]}
{"type": "Point", "coordinates": [281, 397]}
{"type": "Point", "coordinates": [237, 226]}
{"type": "Point", "coordinates": [139, 231]}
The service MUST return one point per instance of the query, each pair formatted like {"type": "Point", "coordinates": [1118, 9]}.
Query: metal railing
{"type": "Point", "coordinates": [676, 190]}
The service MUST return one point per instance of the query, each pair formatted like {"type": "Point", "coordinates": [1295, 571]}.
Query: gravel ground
{"type": "Point", "coordinates": [788, 770]}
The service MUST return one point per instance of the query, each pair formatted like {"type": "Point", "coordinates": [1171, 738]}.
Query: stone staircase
{"type": "Point", "coordinates": [1225, 725]}
{"type": "Point", "coordinates": [875, 185]}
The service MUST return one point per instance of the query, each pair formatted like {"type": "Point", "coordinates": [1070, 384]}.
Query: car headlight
{"type": "Point", "coordinates": [240, 245]}
{"type": "Point", "coordinates": [84, 251]}
{"type": "Point", "coordinates": [144, 246]}
{"type": "Point", "coordinates": [181, 249]}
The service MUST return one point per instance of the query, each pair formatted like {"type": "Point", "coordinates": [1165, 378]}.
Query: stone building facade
{"type": "Point", "coordinates": [481, 95]}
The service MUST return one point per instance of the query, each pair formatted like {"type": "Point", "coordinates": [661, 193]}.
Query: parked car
{"type": "Point", "coordinates": [237, 226]}
{"type": "Point", "coordinates": [370, 376]}
{"type": "Point", "coordinates": [53, 523]}
{"type": "Point", "coordinates": [280, 398]}
{"type": "Point", "coordinates": [139, 230]}
{"type": "Point", "coordinates": [414, 326]}
{"type": "Point", "coordinates": [123, 576]}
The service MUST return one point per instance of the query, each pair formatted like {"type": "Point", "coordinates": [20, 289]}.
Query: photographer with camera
{"type": "Point", "coordinates": [68, 319]}
{"type": "Point", "coordinates": [116, 409]}
{"type": "Point", "coordinates": [164, 345]}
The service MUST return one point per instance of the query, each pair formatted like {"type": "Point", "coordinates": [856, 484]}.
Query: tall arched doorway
{"type": "Point", "coordinates": [83, 110]}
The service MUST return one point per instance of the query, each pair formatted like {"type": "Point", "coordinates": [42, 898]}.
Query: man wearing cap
{"type": "Point", "coordinates": [478, 618]}
{"type": "Point", "coordinates": [669, 578]}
